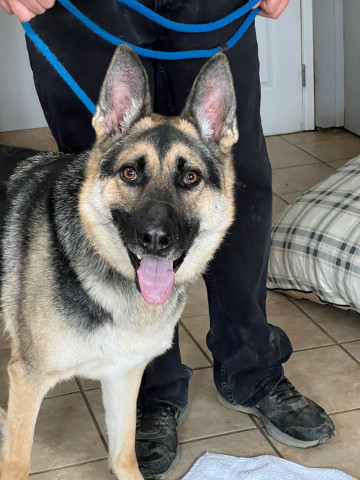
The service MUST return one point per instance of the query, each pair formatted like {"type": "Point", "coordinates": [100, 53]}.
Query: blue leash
{"type": "Point", "coordinates": [144, 52]}
{"type": "Point", "coordinates": [186, 27]}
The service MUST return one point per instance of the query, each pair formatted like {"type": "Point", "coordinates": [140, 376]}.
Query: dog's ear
{"type": "Point", "coordinates": [211, 104]}
{"type": "Point", "coordinates": [124, 95]}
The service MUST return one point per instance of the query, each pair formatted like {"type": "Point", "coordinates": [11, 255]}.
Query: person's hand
{"type": "Point", "coordinates": [271, 8]}
{"type": "Point", "coordinates": [25, 10]}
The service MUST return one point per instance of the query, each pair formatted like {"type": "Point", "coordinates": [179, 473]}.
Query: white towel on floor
{"type": "Point", "coordinates": [213, 466]}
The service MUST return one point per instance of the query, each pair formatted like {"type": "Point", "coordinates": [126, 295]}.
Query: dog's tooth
{"type": "Point", "coordinates": [139, 257]}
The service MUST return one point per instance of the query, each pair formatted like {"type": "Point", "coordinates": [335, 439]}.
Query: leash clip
{"type": "Point", "coordinates": [223, 47]}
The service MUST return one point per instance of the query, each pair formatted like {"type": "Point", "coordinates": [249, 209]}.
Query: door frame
{"type": "Point", "coordinates": [307, 55]}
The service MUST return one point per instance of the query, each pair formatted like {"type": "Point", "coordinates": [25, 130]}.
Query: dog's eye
{"type": "Point", "coordinates": [129, 173]}
{"type": "Point", "coordinates": [191, 178]}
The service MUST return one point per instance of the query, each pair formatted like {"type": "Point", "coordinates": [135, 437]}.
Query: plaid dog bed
{"type": "Point", "coordinates": [315, 250]}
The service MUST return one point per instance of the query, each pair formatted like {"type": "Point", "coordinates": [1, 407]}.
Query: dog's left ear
{"type": "Point", "coordinates": [211, 104]}
{"type": "Point", "coordinates": [124, 95]}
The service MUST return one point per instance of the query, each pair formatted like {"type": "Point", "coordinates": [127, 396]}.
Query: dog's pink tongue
{"type": "Point", "coordinates": [156, 279]}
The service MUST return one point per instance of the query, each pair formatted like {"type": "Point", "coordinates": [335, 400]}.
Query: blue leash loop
{"type": "Point", "coordinates": [188, 27]}
{"type": "Point", "coordinates": [145, 52]}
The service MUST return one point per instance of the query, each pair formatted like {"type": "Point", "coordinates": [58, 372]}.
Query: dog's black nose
{"type": "Point", "coordinates": [156, 230]}
{"type": "Point", "coordinates": [154, 239]}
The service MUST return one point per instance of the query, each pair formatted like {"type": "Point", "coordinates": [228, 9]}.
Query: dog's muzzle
{"type": "Point", "coordinates": [156, 256]}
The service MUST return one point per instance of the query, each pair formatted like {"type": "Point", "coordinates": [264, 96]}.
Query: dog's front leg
{"type": "Point", "coordinates": [120, 398]}
{"type": "Point", "coordinates": [25, 398]}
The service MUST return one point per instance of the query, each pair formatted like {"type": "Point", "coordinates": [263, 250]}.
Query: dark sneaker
{"type": "Point", "coordinates": [157, 441]}
{"type": "Point", "coordinates": [289, 417]}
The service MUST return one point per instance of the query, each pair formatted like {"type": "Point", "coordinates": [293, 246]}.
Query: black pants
{"type": "Point", "coordinates": [248, 352]}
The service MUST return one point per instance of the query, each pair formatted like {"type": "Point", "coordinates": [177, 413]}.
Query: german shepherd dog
{"type": "Point", "coordinates": [99, 249]}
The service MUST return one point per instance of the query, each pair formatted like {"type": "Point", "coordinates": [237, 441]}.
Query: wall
{"type": "Point", "coordinates": [19, 105]}
{"type": "Point", "coordinates": [329, 62]}
{"type": "Point", "coordinates": [352, 65]}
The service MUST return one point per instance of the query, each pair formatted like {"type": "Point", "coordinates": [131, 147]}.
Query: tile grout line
{"type": "Point", "coordinates": [91, 389]}
{"type": "Point", "coordinates": [64, 467]}
{"type": "Point", "coordinates": [318, 159]}
{"type": "Point", "coordinates": [66, 394]}
{"type": "Point", "coordinates": [334, 132]}
{"type": "Point", "coordinates": [348, 353]}
{"type": "Point", "coordinates": [313, 141]}
{"type": "Point", "coordinates": [293, 301]}
{"type": "Point", "coordinates": [196, 342]}
{"type": "Point", "coordinates": [194, 316]}
{"type": "Point", "coordinates": [275, 169]}
{"type": "Point", "coordinates": [306, 349]}
{"type": "Point", "coordinates": [233, 432]}
{"type": "Point", "coordinates": [195, 369]}
{"type": "Point", "coordinates": [286, 193]}
{"type": "Point", "coordinates": [92, 415]}
{"type": "Point", "coordinates": [346, 411]}
{"type": "Point", "coordinates": [215, 435]}
{"type": "Point", "coordinates": [326, 333]}
{"type": "Point", "coordinates": [276, 195]}
{"type": "Point", "coordinates": [265, 435]}
{"type": "Point", "coordinates": [345, 342]}
{"type": "Point", "coordinates": [302, 150]}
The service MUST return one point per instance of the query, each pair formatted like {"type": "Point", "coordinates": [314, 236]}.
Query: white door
{"type": "Point", "coordinates": [283, 104]}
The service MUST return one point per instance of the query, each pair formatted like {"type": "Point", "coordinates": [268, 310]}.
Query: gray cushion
{"type": "Point", "coordinates": [316, 242]}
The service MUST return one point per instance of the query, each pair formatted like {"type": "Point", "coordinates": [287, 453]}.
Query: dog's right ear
{"type": "Point", "coordinates": [124, 95]}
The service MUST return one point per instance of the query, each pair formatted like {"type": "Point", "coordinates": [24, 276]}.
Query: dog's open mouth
{"type": "Point", "coordinates": [155, 276]}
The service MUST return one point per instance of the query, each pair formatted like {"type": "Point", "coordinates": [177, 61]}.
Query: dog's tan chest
{"type": "Point", "coordinates": [113, 349]}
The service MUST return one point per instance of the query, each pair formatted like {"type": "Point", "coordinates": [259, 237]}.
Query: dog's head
{"type": "Point", "coordinates": [158, 195]}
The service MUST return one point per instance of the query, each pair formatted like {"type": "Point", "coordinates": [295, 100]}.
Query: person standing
{"type": "Point", "coordinates": [248, 352]}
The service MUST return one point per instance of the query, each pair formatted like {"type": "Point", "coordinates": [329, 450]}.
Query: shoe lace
{"type": "Point", "coordinates": [284, 390]}
{"type": "Point", "coordinates": [154, 416]}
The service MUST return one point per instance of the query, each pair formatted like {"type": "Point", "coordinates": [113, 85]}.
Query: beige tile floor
{"type": "Point", "coordinates": [70, 439]}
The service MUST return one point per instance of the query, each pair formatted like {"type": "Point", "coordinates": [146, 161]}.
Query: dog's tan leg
{"type": "Point", "coordinates": [2, 432]}
{"type": "Point", "coordinates": [24, 403]}
{"type": "Point", "coordinates": [120, 397]}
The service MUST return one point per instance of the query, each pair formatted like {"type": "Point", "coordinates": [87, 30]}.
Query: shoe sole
{"type": "Point", "coordinates": [181, 419]}
{"type": "Point", "coordinates": [271, 429]}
